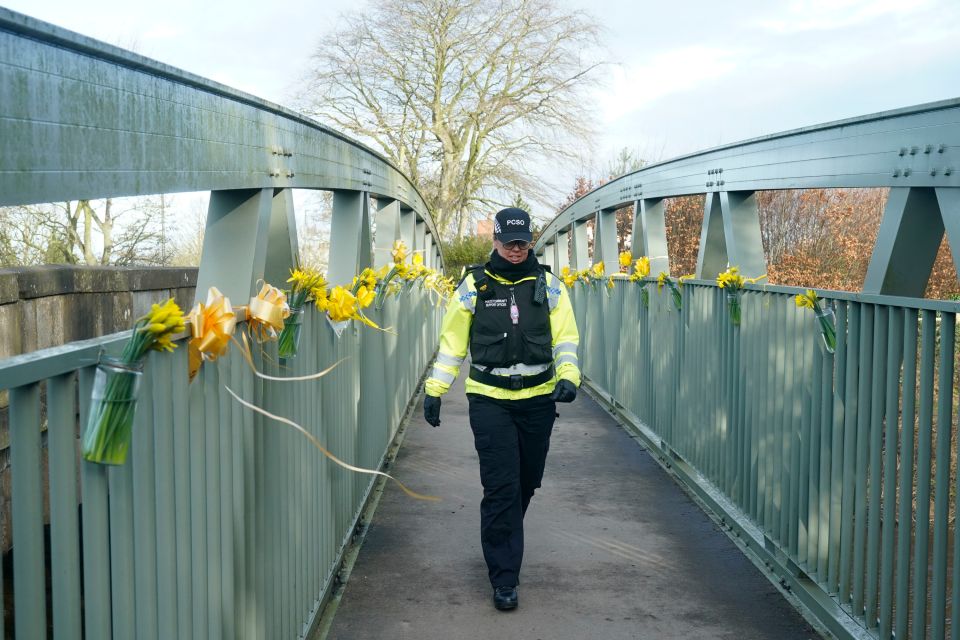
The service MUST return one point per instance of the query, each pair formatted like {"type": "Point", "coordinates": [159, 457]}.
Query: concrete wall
{"type": "Point", "coordinates": [48, 306]}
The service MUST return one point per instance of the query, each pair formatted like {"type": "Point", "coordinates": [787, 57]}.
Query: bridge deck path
{"type": "Point", "coordinates": [614, 549]}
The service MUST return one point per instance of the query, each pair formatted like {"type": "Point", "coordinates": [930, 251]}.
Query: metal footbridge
{"type": "Point", "coordinates": [719, 480]}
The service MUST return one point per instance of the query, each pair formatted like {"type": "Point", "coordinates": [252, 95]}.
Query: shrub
{"type": "Point", "coordinates": [464, 251]}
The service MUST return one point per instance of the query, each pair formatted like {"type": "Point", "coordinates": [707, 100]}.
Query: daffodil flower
{"type": "Point", "coordinates": [808, 299]}
{"type": "Point", "coordinates": [661, 279]}
{"type": "Point", "coordinates": [365, 297]}
{"type": "Point", "coordinates": [106, 438]}
{"type": "Point", "coordinates": [342, 305]}
{"type": "Point", "coordinates": [641, 268]}
{"type": "Point", "coordinates": [399, 252]}
{"type": "Point", "coordinates": [828, 330]}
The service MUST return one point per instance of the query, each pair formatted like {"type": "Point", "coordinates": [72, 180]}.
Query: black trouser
{"type": "Point", "coordinates": [512, 438]}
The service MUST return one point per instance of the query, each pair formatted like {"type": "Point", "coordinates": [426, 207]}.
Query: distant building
{"type": "Point", "coordinates": [485, 227]}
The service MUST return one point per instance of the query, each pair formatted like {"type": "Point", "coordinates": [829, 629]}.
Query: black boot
{"type": "Point", "coordinates": [505, 598]}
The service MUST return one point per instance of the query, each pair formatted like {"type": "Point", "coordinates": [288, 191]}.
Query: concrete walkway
{"type": "Point", "coordinates": [614, 549]}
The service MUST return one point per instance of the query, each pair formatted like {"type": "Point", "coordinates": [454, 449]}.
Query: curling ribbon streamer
{"type": "Point", "coordinates": [212, 325]}
{"type": "Point", "coordinates": [248, 356]}
{"type": "Point", "coordinates": [313, 440]}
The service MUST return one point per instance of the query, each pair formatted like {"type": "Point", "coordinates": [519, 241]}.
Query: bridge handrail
{"type": "Point", "coordinates": [134, 126]}
{"type": "Point", "coordinates": [788, 445]}
{"type": "Point", "coordinates": [220, 524]}
{"type": "Point", "coordinates": [949, 306]}
{"type": "Point", "coordinates": [855, 152]}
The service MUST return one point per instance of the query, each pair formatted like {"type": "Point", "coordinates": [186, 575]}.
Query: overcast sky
{"type": "Point", "coordinates": [689, 74]}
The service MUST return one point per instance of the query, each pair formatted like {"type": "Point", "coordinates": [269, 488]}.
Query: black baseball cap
{"type": "Point", "coordinates": [512, 224]}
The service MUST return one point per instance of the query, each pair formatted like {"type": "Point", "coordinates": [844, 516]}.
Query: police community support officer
{"type": "Point", "coordinates": [517, 320]}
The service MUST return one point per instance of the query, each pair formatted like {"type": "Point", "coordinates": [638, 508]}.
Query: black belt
{"type": "Point", "coordinates": [514, 382]}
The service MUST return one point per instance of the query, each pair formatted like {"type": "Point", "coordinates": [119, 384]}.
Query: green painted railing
{"type": "Point", "coordinates": [222, 523]}
{"type": "Point", "coordinates": [836, 470]}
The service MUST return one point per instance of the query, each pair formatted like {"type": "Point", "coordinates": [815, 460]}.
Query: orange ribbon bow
{"type": "Point", "coordinates": [266, 313]}
{"type": "Point", "coordinates": [212, 325]}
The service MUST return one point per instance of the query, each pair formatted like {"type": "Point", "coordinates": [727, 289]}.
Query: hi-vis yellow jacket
{"type": "Point", "coordinates": [455, 340]}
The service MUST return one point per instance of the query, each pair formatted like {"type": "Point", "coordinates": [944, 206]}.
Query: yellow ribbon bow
{"type": "Point", "coordinates": [212, 325]}
{"type": "Point", "coordinates": [266, 313]}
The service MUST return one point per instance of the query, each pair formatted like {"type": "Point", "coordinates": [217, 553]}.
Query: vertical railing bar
{"type": "Point", "coordinates": [253, 470]}
{"type": "Point", "coordinates": [64, 523]}
{"type": "Point", "coordinates": [795, 439]}
{"type": "Point", "coordinates": [905, 511]}
{"type": "Point", "coordinates": [226, 500]}
{"type": "Point", "coordinates": [837, 448]}
{"type": "Point", "coordinates": [814, 430]}
{"type": "Point", "coordinates": [724, 374]}
{"type": "Point", "coordinates": [180, 428]}
{"type": "Point", "coordinates": [317, 469]}
{"type": "Point", "coordinates": [271, 442]}
{"type": "Point", "coordinates": [288, 602]}
{"type": "Point", "coordinates": [743, 419]}
{"type": "Point", "coordinates": [802, 419]}
{"type": "Point", "coordinates": [199, 425]}
{"type": "Point", "coordinates": [769, 425]}
{"type": "Point", "coordinates": [941, 511]}
{"type": "Point", "coordinates": [316, 412]}
{"type": "Point", "coordinates": [288, 508]}
{"type": "Point", "coordinates": [894, 358]}
{"type": "Point", "coordinates": [925, 428]}
{"type": "Point", "coordinates": [214, 498]}
{"type": "Point", "coordinates": [688, 406]}
{"type": "Point", "coordinates": [955, 578]}
{"type": "Point", "coordinates": [863, 453]}
{"type": "Point", "coordinates": [708, 383]}
{"type": "Point", "coordinates": [877, 405]}
{"type": "Point", "coordinates": [29, 597]}
{"type": "Point", "coordinates": [308, 463]}
{"type": "Point", "coordinates": [847, 541]}
{"type": "Point", "coordinates": [751, 408]}
{"type": "Point", "coordinates": [325, 356]}
{"type": "Point", "coordinates": [761, 421]}
{"type": "Point", "coordinates": [122, 571]}
{"type": "Point", "coordinates": [238, 511]}
{"type": "Point", "coordinates": [96, 534]}
{"type": "Point", "coordinates": [787, 422]}
{"type": "Point", "coordinates": [730, 373]}
{"type": "Point", "coordinates": [692, 336]}
{"type": "Point", "coordinates": [722, 404]}
{"type": "Point", "coordinates": [757, 370]}
{"type": "Point", "coordinates": [772, 423]}
{"type": "Point", "coordinates": [828, 362]}
{"type": "Point", "coordinates": [679, 323]}
{"type": "Point", "coordinates": [303, 505]}
{"type": "Point", "coordinates": [144, 511]}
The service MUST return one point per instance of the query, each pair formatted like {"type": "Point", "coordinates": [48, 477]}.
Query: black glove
{"type": "Point", "coordinates": [565, 391]}
{"type": "Point", "coordinates": [431, 410]}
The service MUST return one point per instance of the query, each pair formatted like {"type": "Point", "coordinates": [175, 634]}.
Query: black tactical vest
{"type": "Point", "coordinates": [495, 341]}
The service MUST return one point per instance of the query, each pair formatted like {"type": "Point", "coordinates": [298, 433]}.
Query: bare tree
{"type": "Point", "coordinates": [314, 219]}
{"type": "Point", "coordinates": [26, 238]}
{"type": "Point", "coordinates": [87, 232]}
{"type": "Point", "coordinates": [186, 243]}
{"type": "Point", "coordinates": [626, 161]}
{"type": "Point", "coordinates": [460, 94]}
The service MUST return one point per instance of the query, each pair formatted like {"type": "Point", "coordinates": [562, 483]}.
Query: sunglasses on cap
{"type": "Point", "coordinates": [517, 244]}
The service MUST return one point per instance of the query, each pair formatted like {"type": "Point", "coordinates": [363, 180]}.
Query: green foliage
{"type": "Point", "coordinates": [520, 203]}
{"type": "Point", "coordinates": [627, 161]}
{"type": "Point", "coordinates": [464, 251]}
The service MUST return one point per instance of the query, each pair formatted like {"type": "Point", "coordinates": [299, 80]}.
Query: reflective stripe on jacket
{"type": "Point", "coordinates": [455, 340]}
